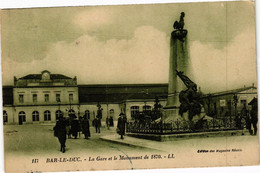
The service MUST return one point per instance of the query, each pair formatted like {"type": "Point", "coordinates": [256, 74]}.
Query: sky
{"type": "Point", "coordinates": [130, 43]}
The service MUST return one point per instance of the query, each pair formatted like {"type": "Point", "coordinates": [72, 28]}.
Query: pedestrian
{"type": "Point", "coordinates": [80, 125]}
{"type": "Point", "coordinates": [85, 127]}
{"type": "Point", "coordinates": [107, 123]}
{"type": "Point", "coordinates": [111, 122]}
{"type": "Point", "coordinates": [253, 113]}
{"type": "Point", "coordinates": [75, 128]}
{"type": "Point", "coordinates": [60, 132]}
{"type": "Point", "coordinates": [68, 127]}
{"type": "Point", "coordinates": [121, 125]}
{"type": "Point", "coordinates": [97, 124]}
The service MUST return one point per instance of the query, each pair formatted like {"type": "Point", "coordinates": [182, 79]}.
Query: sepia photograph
{"type": "Point", "coordinates": [126, 87]}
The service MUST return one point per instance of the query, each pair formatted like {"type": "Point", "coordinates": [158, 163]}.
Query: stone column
{"type": "Point", "coordinates": [179, 60]}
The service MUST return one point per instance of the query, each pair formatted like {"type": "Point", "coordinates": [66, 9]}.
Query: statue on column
{"type": "Point", "coordinates": [179, 32]}
{"type": "Point", "coordinates": [189, 98]}
{"type": "Point", "coordinates": [179, 25]}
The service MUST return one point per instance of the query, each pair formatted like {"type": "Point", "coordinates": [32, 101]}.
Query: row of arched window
{"type": "Point", "coordinates": [36, 115]}
{"type": "Point", "coordinates": [136, 109]}
{"type": "Point", "coordinates": [47, 115]}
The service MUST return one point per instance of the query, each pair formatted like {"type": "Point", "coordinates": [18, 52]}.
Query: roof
{"type": "Point", "coordinates": [7, 95]}
{"type": "Point", "coordinates": [39, 76]}
{"type": "Point", "coordinates": [112, 93]}
{"type": "Point", "coordinates": [120, 92]}
{"type": "Point", "coordinates": [234, 91]}
{"type": "Point", "coordinates": [253, 101]}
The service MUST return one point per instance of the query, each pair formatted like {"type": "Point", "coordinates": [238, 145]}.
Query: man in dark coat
{"type": "Point", "coordinates": [121, 125]}
{"type": "Point", "coordinates": [85, 127]}
{"type": "Point", "coordinates": [97, 124]}
{"type": "Point", "coordinates": [75, 128]}
{"type": "Point", "coordinates": [107, 123]}
{"type": "Point", "coordinates": [253, 113]}
{"type": "Point", "coordinates": [60, 132]}
{"type": "Point", "coordinates": [111, 121]}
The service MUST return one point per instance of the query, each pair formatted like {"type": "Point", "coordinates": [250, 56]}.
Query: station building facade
{"type": "Point", "coordinates": [39, 98]}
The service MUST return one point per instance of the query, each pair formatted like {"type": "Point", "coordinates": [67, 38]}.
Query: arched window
{"type": "Point", "coordinates": [58, 113]}
{"type": "Point", "coordinates": [5, 116]}
{"type": "Point", "coordinates": [87, 114]}
{"type": "Point", "coordinates": [35, 116]}
{"type": "Point", "coordinates": [147, 108]}
{"type": "Point", "coordinates": [111, 112]}
{"type": "Point", "coordinates": [22, 115]}
{"type": "Point", "coordinates": [47, 115]}
{"type": "Point", "coordinates": [72, 113]}
{"type": "Point", "coordinates": [134, 110]}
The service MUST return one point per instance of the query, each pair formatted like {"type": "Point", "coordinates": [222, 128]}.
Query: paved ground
{"type": "Point", "coordinates": [26, 142]}
{"type": "Point", "coordinates": [221, 142]}
{"type": "Point", "coordinates": [38, 139]}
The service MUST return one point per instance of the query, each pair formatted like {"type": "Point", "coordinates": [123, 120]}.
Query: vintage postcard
{"type": "Point", "coordinates": [124, 87]}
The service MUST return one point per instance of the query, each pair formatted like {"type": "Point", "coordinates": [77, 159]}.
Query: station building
{"type": "Point", "coordinates": [41, 98]}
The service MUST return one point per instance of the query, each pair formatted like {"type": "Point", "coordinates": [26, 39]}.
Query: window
{"type": "Point", "coordinates": [35, 116]}
{"type": "Point", "coordinates": [47, 115]}
{"type": "Point", "coordinates": [243, 102]}
{"type": "Point", "coordinates": [147, 108]}
{"type": "Point", "coordinates": [20, 98]}
{"type": "Point", "coordinates": [58, 113]}
{"type": "Point", "coordinates": [87, 114]}
{"type": "Point", "coordinates": [34, 98]}
{"type": "Point", "coordinates": [111, 112]}
{"type": "Point", "coordinates": [58, 98]}
{"type": "Point", "coordinates": [70, 97]}
{"type": "Point", "coordinates": [134, 110]}
{"type": "Point", "coordinates": [72, 113]}
{"type": "Point", "coordinates": [5, 117]}
{"type": "Point", "coordinates": [46, 97]}
{"type": "Point", "coordinates": [22, 115]}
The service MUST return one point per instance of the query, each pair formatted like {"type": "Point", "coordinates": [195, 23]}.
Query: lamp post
{"type": "Point", "coordinates": [58, 101]}
{"type": "Point", "coordinates": [235, 99]}
{"type": "Point", "coordinates": [209, 101]}
{"type": "Point", "coordinates": [78, 110]}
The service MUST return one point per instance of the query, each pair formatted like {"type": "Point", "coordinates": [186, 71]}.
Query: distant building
{"type": "Point", "coordinates": [117, 98]}
{"type": "Point", "coordinates": [222, 104]}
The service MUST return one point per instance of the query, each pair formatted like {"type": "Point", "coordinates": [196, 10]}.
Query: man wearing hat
{"type": "Point", "coordinates": [60, 132]}
{"type": "Point", "coordinates": [121, 125]}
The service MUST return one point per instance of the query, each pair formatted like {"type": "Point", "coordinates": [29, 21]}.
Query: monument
{"type": "Point", "coordinates": [179, 60]}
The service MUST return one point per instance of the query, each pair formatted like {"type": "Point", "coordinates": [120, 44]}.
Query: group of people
{"type": "Point", "coordinates": [249, 117]}
{"type": "Point", "coordinates": [72, 126]}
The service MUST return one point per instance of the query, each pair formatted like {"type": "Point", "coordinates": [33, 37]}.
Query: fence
{"type": "Point", "coordinates": [182, 126]}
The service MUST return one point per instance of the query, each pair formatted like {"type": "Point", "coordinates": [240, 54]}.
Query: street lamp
{"type": "Point", "coordinates": [58, 101]}
{"type": "Point", "coordinates": [209, 101]}
{"type": "Point", "coordinates": [235, 99]}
